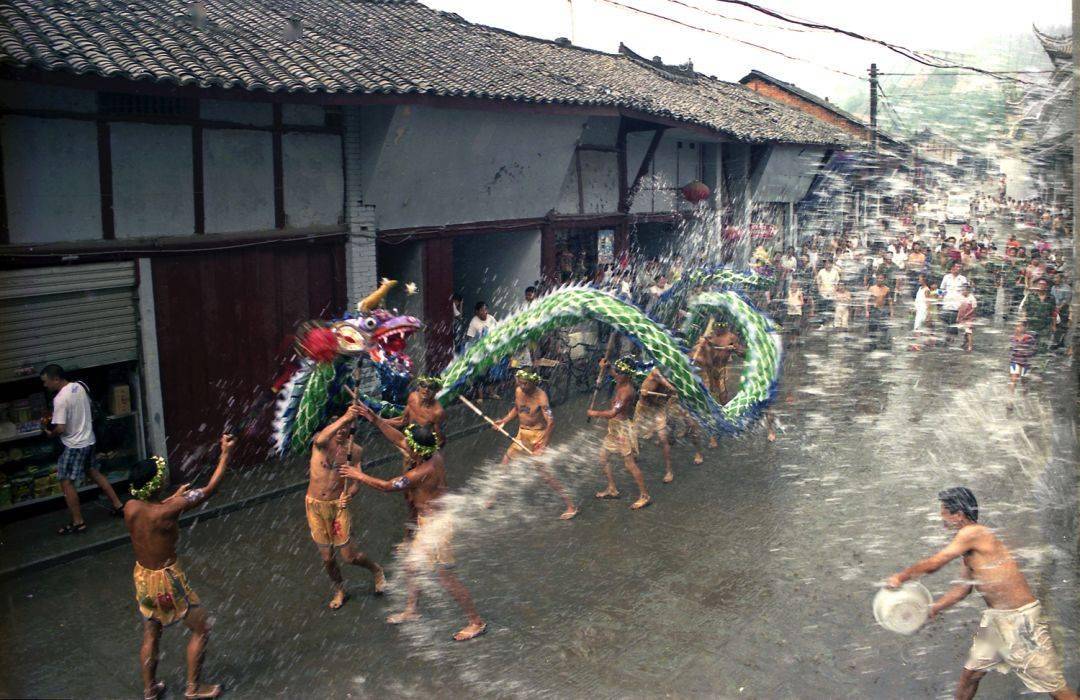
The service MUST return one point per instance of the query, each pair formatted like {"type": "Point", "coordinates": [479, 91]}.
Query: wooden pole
{"type": "Point", "coordinates": [493, 424]}
{"type": "Point", "coordinates": [603, 369]}
{"type": "Point", "coordinates": [706, 334]}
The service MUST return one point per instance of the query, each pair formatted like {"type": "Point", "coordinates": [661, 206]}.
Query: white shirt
{"type": "Point", "coordinates": [950, 288]}
{"type": "Point", "coordinates": [71, 408]}
{"type": "Point", "coordinates": [478, 328]}
{"type": "Point", "coordinates": [826, 281]}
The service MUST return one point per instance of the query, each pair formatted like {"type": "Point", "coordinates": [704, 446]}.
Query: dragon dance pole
{"type": "Point", "coordinates": [495, 425]}
{"type": "Point", "coordinates": [600, 374]}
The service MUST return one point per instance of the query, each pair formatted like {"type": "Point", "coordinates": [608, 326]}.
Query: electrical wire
{"type": "Point", "coordinates": [728, 37]}
{"type": "Point", "coordinates": [918, 57]}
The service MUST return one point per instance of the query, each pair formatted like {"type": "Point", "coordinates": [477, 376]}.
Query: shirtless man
{"type": "Point", "coordinates": [535, 425]}
{"type": "Point", "coordinates": [723, 343]}
{"type": "Point", "coordinates": [651, 415]}
{"type": "Point", "coordinates": [422, 409]}
{"type": "Point", "coordinates": [162, 591]}
{"type": "Point", "coordinates": [703, 358]}
{"type": "Point", "coordinates": [327, 504]}
{"type": "Point", "coordinates": [423, 485]}
{"type": "Point", "coordinates": [879, 308]}
{"type": "Point", "coordinates": [1012, 634]}
{"type": "Point", "coordinates": [621, 438]}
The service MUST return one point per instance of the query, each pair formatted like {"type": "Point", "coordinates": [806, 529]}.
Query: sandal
{"type": "Point", "coordinates": [72, 529]}
{"type": "Point", "coordinates": [117, 512]}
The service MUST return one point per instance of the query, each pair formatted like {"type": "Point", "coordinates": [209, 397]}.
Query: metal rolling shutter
{"type": "Point", "coordinates": [76, 316]}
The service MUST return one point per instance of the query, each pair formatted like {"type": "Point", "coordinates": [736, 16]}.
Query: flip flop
{"type": "Point", "coordinates": [603, 495]}
{"type": "Point", "coordinates": [155, 691]}
{"type": "Point", "coordinates": [72, 529]}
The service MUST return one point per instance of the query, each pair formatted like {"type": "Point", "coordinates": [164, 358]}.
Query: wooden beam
{"type": "Point", "coordinates": [104, 143]}
{"type": "Point", "coordinates": [165, 119]}
{"type": "Point", "coordinates": [279, 171]}
{"type": "Point", "coordinates": [437, 258]}
{"type": "Point", "coordinates": [620, 159]}
{"type": "Point", "coordinates": [99, 250]}
{"type": "Point", "coordinates": [88, 82]}
{"type": "Point", "coordinates": [580, 182]}
{"type": "Point", "coordinates": [198, 179]}
{"type": "Point", "coordinates": [4, 234]}
{"type": "Point", "coordinates": [650, 152]}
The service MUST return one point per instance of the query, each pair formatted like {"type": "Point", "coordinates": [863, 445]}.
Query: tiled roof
{"type": "Point", "coordinates": [374, 47]}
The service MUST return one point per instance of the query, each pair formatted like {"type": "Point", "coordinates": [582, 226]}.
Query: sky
{"type": "Point", "coordinates": [987, 33]}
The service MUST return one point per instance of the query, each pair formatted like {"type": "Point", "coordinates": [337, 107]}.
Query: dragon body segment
{"type": "Point", "coordinates": [322, 383]}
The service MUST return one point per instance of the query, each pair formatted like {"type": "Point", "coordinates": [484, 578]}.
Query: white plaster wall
{"type": "Point", "coordinates": [313, 179]}
{"type": "Point", "coordinates": [153, 191]}
{"type": "Point", "coordinates": [55, 195]}
{"type": "Point", "coordinates": [238, 180]}
{"type": "Point", "coordinates": [252, 113]}
{"type": "Point", "coordinates": [310, 115]}
{"type": "Point", "coordinates": [438, 166]}
{"type": "Point", "coordinates": [787, 173]}
{"type": "Point", "coordinates": [496, 268]}
{"type": "Point", "coordinates": [600, 131]}
{"type": "Point", "coordinates": [23, 95]}
{"type": "Point", "coordinates": [600, 184]}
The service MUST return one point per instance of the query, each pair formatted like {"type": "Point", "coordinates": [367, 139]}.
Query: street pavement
{"type": "Point", "coordinates": [750, 576]}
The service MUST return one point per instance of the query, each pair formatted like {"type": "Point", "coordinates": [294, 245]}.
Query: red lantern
{"type": "Point", "coordinates": [696, 191]}
{"type": "Point", "coordinates": [320, 344]}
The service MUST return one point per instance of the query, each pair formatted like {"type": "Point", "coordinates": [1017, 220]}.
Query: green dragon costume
{"type": "Point", "coordinates": [304, 401]}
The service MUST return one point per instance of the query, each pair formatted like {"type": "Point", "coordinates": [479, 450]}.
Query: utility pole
{"type": "Point", "coordinates": [873, 107]}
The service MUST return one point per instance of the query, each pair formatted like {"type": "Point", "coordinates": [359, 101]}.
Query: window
{"type": "Point", "coordinates": [130, 104]}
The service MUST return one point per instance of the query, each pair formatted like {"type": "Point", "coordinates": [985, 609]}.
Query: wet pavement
{"type": "Point", "coordinates": [750, 576]}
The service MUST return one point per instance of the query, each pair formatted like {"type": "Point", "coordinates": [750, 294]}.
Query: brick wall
{"type": "Point", "coordinates": [360, 247]}
{"type": "Point", "coordinates": [781, 95]}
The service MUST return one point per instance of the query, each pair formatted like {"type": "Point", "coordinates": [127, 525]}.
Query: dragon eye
{"type": "Point", "coordinates": [369, 324]}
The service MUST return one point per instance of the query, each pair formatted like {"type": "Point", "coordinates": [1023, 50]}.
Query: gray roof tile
{"type": "Point", "coordinates": [375, 47]}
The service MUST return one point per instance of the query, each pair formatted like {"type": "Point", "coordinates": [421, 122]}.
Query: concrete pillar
{"type": "Point", "coordinates": [360, 271]}
{"type": "Point", "coordinates": [153, 407]}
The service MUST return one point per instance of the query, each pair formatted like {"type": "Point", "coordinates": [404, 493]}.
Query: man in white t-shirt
{"type": "Point", "coordinates": [71, 421]}
{"type": "Point", "coordinates": [949, 289]}
{"type": "Point", "coordinates": [826, 280]}
{"type": "Point", "coordinates": [482, 322]}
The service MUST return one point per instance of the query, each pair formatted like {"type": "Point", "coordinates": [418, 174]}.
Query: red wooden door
{"type": "Point", "coordinates": [222, 323]}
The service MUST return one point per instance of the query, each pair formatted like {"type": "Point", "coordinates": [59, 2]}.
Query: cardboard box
{"type": "Point", "coordinates": [119, 400]}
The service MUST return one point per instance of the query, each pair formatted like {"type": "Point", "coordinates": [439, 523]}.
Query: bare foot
{"type": "Point", "coordinates": [340, 596]}
{"type": "Point", "coordinates": [380, 580]}
{"type": "Point", "coordinates": [713, 444]}
{"type": "Point", "coordinates": [772, 436]}
{"type": "Point", "coordinates": [699, 458]}
{"type": "Point", "coordinates": [154, 692]}
{"type": "Point", "coordinates": [568, 513]}
{"type": "Point", "coordinates": [202, 691]}
{"type": "Point", "coordinates": [641, 502]}
{"type": "Point", "coordinates": [668, 478]}
{"type": "Point", "coordinates": [607, 493]}
{"type": "Point", "coordinates": [470, 631]}
{"type": "Point", "coordinates": [402, 617]}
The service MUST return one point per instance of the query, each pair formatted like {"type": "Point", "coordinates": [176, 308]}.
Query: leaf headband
{"type": "Point", "coordinates": [625, 365]}
{"type": "Point", "coordinates": [154, 485]}
{"type": "Point", "coordinates": [429, 381]}
{"type": "Point", "coordinates": [423, 451]}
{"type": "Point", "coordinates": [528, 375]}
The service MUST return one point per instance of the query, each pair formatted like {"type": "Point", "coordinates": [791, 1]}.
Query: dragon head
{"type": "Point", "coordinates": [380, 333]}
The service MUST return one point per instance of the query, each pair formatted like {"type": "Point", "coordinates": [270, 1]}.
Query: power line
{"type": "Point", "coordinates": [896, 48]}
{"type": "Point", "coordinates": [1002, 72]}
{"type": "Point", "coordinates": [728, 37]}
